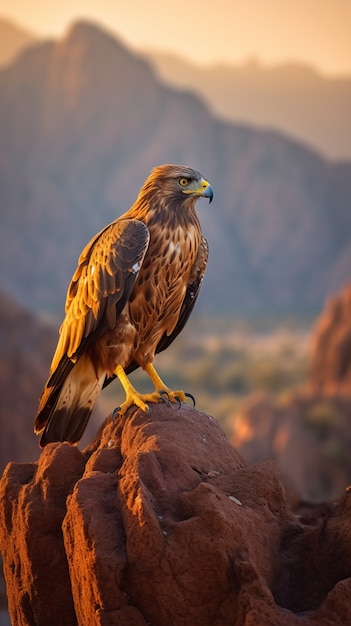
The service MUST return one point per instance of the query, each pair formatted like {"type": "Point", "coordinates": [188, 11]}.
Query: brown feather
{"type": "Point", "coordinates": [131, 294]}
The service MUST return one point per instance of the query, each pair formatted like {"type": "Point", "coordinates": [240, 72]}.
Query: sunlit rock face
{"type": "Point", "coordinates": [160, 521]}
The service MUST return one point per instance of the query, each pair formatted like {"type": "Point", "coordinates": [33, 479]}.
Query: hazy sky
{"type": "Point", "coordinates": [317, 31]}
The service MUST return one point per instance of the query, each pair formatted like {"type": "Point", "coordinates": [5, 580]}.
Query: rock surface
{"type": "Point", "coordinates": [161, 522]}
{"type": "Point", "coordinates": [307, 431]}
{"type": "Point", "coordinates": [331, 347]}
{"type": "Point", "coordinates": [307, 434]}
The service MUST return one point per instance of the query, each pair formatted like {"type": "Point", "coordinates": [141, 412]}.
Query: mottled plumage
{"type": "Point", "coordinates": [133, 290]}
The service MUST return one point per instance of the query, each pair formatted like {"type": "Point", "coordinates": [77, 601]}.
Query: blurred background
{"type": "Point", "coordinates": [257, 96]}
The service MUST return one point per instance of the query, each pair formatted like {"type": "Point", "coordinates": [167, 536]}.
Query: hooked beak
{"type": "Point", "coordinates": [207, 190]}
{"type": "Point", "coordinates": [204, 189]}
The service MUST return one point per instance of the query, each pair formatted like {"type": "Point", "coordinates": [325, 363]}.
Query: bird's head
{"type": "Point", "coordinates": [177, 183]}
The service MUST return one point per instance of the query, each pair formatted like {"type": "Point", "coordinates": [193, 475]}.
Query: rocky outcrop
{"type": "Point", "coordinates": [161, 522]}
{"type": "Point", "coordinates": [307, 434]}
{"type": "Point", "coordinates": [307, 431]}
{"type": "Point", "coordinates": [331, 347]}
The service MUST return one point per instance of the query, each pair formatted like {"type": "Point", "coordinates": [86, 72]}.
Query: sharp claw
{"type": "Point", "coordinates": [162, 393]}
{"type": "Point", "coordinates": [179, 402]}
{"type": "Point", "coordinates": [189, 395]}
{"type": "Point", "coordinates": [115, 413]}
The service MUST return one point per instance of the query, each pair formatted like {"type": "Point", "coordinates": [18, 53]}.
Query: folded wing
{"type": "Point", "coordinates": [106, 274]}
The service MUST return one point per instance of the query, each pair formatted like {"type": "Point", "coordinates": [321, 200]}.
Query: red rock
{"type": "Point", "coordinates": [160, 521]}
{"type": "Point", "coordinates": [306, 433]}
{"type": "Point", "coordinates": [35, 564]}
{"type": "Point", "coordinates": [331, 346]}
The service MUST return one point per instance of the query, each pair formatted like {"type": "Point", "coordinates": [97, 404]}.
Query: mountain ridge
{"type": "Point", "coordinates": [291, 97]}
{"type": "Point", "coordinates": [13, 38]}
{"type": "Point", "coordinates": [82, 123]}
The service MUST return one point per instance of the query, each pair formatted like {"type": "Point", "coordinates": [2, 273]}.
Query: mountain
{"type": "Point", "coordinates": [291, 97]}
{"type": "Point", "coordinates": [82, 122]}
{"type": "Point", "coordinates": [13, 39]}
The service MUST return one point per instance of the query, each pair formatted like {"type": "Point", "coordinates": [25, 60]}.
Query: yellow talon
{"type": "Point", "coordinates": [138, 399]}
{"type": "Point", "coordinates": [173, 396]}
{"type": "Point", "coordinates": [133, 397]}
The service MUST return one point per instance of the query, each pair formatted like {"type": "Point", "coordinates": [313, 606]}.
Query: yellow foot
{"type": "Point", "coordinates": [138, 399]}
{"type": "Point", "coordinates": [161, 393]}
{"type": "Point", "coordinates": [163, 390]}
{"type": "Point", "coordinates": [172, 396]}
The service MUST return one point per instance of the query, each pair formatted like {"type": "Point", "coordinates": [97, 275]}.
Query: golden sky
{"type": "Point", "coordinates": [316, 31]}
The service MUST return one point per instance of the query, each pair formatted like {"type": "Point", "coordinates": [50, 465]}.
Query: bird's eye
{"type": "Point", "coordinates": [183, 182]}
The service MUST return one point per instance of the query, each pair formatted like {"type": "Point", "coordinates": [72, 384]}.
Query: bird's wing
{"type": "Point", "coordinates": [106, 274]}
{"type": "Point", "coordinates": [191, 294]}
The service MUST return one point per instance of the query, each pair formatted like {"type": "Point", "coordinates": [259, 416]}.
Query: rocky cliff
{"type": "Point", "coordinates": [159, 521]}
{"type": "Point", "coordinates": [307, 431]}
{"type": "Point", "coordinates": [331, 346]}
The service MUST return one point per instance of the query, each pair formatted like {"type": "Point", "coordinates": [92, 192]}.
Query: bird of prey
{"type": "Point", "coordinates": [134, 288]}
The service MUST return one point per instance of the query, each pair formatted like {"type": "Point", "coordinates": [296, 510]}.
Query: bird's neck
{"type": "Point", "coordinates": [164, 212]}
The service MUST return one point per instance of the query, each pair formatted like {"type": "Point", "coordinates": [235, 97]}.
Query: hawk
{"type": "Point", "coordinates": [134, 288]}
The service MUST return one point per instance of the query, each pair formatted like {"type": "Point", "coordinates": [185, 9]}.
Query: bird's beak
{"type": "Point", "coordinates": [204, 189]}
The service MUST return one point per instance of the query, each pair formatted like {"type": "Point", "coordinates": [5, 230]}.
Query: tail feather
{"type": "Point", "coordinates": [65, 407]}
{"type": "Point", "coordinates": [49, 397]}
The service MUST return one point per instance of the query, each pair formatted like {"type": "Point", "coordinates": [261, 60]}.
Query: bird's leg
{"type": "Point", "coordinates": [132, 395]}
{"type": "Point", "coordinates": [161, 388]}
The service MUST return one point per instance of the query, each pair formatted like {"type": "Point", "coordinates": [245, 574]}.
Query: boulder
{"type": "Point", "coordinates": [160, 521]}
